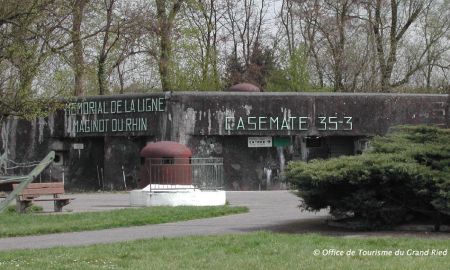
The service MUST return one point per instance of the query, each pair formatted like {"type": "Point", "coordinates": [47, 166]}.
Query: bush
{"type": "Point", "coordinates": [405, 175]}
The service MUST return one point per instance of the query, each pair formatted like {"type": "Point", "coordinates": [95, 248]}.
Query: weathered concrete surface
{"type": "Point", "coordinates": [372, 113]}
{"type": "Point", "coordinates": [204, 113]}
{"type": "Point", "coordinates": [201, 120]}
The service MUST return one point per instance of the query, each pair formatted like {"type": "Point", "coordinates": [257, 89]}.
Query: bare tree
{"type": "Point", "coordinates": [331, 32]}
{"type": "Point", "coordinates": [307, 14]}
{"type": "Point", "coordinates": [287, 20]}
{"type": "Point", "coordinates": [435, 26]}
{"type": "Point", "coordinates": [387, 43]}
{"type": "Point", "coordinates": [333, 28]}
{"type": "Point", "coordinates": [244, 22]}
{"type": "Point", "coordinates": [129, 43]}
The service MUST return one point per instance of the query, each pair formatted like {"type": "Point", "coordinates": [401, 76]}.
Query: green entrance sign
{"type": "Point", "coordinates": [281, 141]}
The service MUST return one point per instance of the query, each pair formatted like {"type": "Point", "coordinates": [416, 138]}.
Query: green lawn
{"type": "Point", "coordinates": [12, 224]}
{"type": "Point", "coordinates": [246, 251]}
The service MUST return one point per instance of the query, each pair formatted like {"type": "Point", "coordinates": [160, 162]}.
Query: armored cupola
{"type": "Point", "coordinates": [165, 149]}
{"type": "Point", "coordinates": [244, 87]}
{"type": "Point", "coordinates": [165, 163]}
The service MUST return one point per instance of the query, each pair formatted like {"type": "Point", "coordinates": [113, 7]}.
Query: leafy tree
{"type": "Point", "coordinates": [166, 11]}
{"type": "Point", "coordinates": [27, 35]}
{"type": "Point", "coordinates": [233, 71]}
{"type": "Point", "coordinates": [195, 65]}
{"type": "Point", "coordinates": [200, 49]}
{"type": "Point", "coordinates": [294, 76]}
{"type": "Point", "coordinates": [257, 71]}
{"type": "Point", "coordinates": [405, 176]}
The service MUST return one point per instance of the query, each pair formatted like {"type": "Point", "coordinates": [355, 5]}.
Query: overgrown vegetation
{"type": "Point", "coordinates": [404, 177]}
{"type": "Point", "coordinates": [12, 224]}
{"type": "Point", "coordinates": [243, 251]}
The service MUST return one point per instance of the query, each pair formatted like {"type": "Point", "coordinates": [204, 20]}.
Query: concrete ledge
{"type": "Point", "coordinates": [177, 198]}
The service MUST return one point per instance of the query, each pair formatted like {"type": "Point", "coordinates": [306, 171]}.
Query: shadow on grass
{"type": "Point", "coordinates": [319, 226]}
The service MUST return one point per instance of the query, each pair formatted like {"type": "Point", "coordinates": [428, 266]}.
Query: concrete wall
{"type": "Point", "coordinates": [214, 124]}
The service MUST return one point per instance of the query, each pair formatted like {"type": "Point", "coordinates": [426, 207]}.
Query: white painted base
{"type": "Point", "coordinates": [171, 197]}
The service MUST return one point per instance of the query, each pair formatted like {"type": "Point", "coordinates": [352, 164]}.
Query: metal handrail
{"type": "Point", "coordinates": [205, 173]}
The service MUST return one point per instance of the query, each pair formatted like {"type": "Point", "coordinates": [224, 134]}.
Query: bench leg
{"type": "Point", "coordinates": [21, 206]}
{"type": "Point", "coordinates": [58, 205]}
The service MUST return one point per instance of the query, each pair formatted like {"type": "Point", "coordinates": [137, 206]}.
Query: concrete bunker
{"type": "Point", "coordinates": [213, 125]}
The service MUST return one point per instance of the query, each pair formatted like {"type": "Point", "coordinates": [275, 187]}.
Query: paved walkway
{"type": "Point", "coordinates": [267, 209]}
{"type": "Point", "coordinates": [271, 210]}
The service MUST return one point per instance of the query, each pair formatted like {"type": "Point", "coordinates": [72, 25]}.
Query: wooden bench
{"type": "Point", "coordinates": [35, 190]}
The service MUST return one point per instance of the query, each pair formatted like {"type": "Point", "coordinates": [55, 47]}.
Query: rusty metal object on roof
{"type": "Point", "coordinates": [165, 149]}
{"type": "Point", "coordinates": [244, 87]}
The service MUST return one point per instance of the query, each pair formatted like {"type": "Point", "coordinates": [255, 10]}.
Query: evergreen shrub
{"type": "Point", "coordinates": [404, 176]}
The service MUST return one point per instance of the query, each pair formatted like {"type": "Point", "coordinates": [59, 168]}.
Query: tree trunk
{"type": "Point", "coordinates": [78, 59]}
{"type": "Point", "coordinates": [319, 71]}
{"type": "Point", "coordinates": [106, 47]}
{"type": "Point", "coordinates": [121, 81]}
{"type": "Point", "coordinates": [338, 85]}
{"type": "Point", "coordinates": [101, 76]}
{"type": "Point", "coordinates": [429, 72]}
{"type": "Point", "coordinates": [165, 23]}
{"type": "Point", "coordinates": [164, 60]}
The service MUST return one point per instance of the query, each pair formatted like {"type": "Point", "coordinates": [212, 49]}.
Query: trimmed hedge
{"type": "Point", "coordinates": [404, 176]}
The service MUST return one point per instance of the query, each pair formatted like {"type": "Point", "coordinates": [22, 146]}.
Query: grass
{"type": "Point", "coordinates": [31, 209]}
{"type": "Point", "coordinates": [246, 251]}
{"type": "Point", "coordinates": [12, 224]}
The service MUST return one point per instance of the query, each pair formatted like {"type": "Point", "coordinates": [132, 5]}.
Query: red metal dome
{"type": "Point", "coordinates": [165, 149]}
{"type": "Point", "coordinates": [244, 87]}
